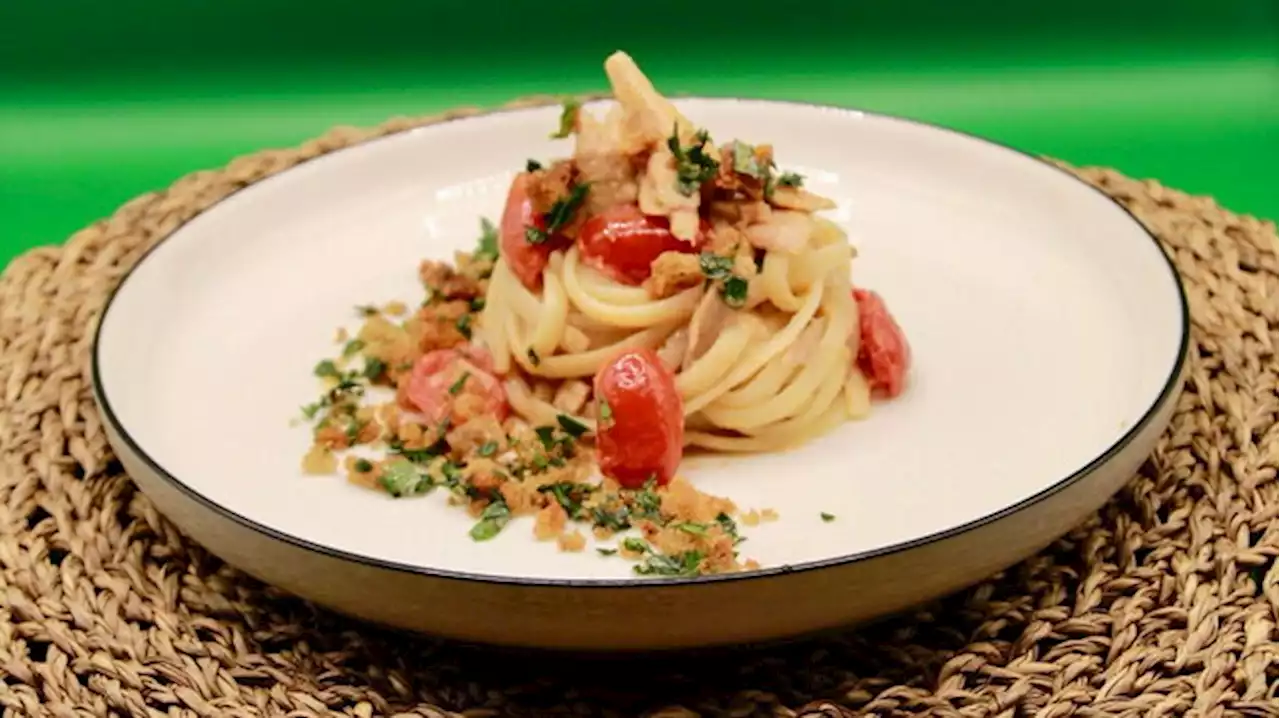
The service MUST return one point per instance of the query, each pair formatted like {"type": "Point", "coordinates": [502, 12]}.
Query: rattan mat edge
{"type": "Point", "coordinates": [1163, 604]}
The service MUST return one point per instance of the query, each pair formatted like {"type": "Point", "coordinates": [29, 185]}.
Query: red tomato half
{"type": "Point", "coordinates": [455, 385]}
{"type": "Point", "coordinates": [622, 242]}
{"type": "Point", "coordinates": [883, 353]}
{"type": "Point", "coordinates": [525, 259]}
{"type": "Point", "coordinates": [639, 420]}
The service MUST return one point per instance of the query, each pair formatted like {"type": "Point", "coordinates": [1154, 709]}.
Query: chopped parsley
{"type": "Point", "coordinates": [571, 426]}
{"type": "Point", "coordinates": [685, 563]}
{"type": "Point", "coordinates": [568, 118]}
{"type": "Point", "coordinates": [827, 517]}
{"type": "Point", "coordinates": [547, 435]}
{"type": "Point", "coordinates": [790, 179]}
{"type": "Point", "coordinates": [487, 449]}
{"type": "Point", "coordinates": [476, 304]}
{"type": "Point", "coordinates": [617, 520]}
{"type": "Point", "coordinates": [532, 165]}
{"type": "Point", "coordinates": [635, 545]}
{"type": "Point", "coordinates": [718, 268]}
{"type": "Point", "coordinates": [373, 368]}
{"type": "Point", "coordinates": [352, 347]}
{"type": "Point", "coordinates": [327, 368]}
{"type": "Point", "coordinates": [460, 384]}
{"type": "Point", "coordinates": [364, 466]}
{"type": "Point", "coordinates": [353, 431]}
{"type": "Point", "coordinates": [692, 527]}
{"type": "Point", "coordinates": [487, 244]}
{"type": "Point", "coordinates": [423, 455]}
{"type": "Point", "coordinates": [559, 216]}
{"type": "Point", "coordinates": [492, 520]}
{"type": "Point", "coordinates": [569, 495]}
{"type": "Point", "coordinates": [646, 502]}
{"type": "Point", "coordinates": [735, 291]}
{"type": "Point", "coordinates": [464, 325]}
{"type": "Point", "coordinates": [606, 413]}
{"type": "Point", "coordinates": [694, 165]}
{"type": "Point", "coordinates": [715, 266]}
{"type": "Point", "coordinates": [310, 410]}
{"type": "Point", "coordinates": [402, 478]}
{"type": "Point", "coordinates": [607, 551]}
{"type": "Point", "coordinates": [746, 162]}
{"type": "Point", "coordinates": [730, 527]}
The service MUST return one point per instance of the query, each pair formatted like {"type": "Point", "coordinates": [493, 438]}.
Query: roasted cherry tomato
{"type": "Point", "coordinates": [883, 353]}
{"type": "Point", "coordinates": [623, 241]}
{"type": "Point", "coordinates": [639, 419]}
{"type": "Point", "coordinates": [455, 384]}
{"type": "Point", "coordinates": [526, 260]}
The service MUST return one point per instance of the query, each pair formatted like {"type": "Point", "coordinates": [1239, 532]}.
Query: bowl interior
{"type": "Point", "coordinates": [1045, 323]}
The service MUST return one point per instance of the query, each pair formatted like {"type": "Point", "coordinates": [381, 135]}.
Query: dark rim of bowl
{"type": "Point", "coordinates": [1171, 384]}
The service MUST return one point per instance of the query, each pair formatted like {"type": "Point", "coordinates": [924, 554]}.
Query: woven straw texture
{"type": "Point", "coordinates": [1163, 604]}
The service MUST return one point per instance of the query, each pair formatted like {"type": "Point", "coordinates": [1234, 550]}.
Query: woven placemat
{"type": "Point", "coordinates": [1164, 604]}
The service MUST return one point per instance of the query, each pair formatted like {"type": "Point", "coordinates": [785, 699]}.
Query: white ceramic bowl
{"type": "Point", "coordinates": [1047, 326]}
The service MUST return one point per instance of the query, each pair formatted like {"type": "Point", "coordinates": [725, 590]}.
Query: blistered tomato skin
{"type": "Point", "coordinates": [454, 384]}
{"type": "Point", "coordinates": [639, 420]}
{"type": "Point", "coordinates": [622, 242]}
{"type": "Point", "coordinates": [884, 356]}
{"type": "Point", "coordinates": [525, 259]}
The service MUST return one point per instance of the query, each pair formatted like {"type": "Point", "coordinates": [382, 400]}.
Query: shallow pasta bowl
{"type": "Point", "coordinates": [1048, 331]}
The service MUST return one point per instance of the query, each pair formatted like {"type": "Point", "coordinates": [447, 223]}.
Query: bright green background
{"type": "Point", "coordinates": [100, 101]}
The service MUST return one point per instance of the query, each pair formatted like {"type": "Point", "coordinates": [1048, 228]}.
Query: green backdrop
{"type": "Point", "coordinates": [102, 101]}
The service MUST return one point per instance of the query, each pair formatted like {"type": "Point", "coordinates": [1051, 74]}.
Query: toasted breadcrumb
{"type": "Point", "coordinates": [672, 273]}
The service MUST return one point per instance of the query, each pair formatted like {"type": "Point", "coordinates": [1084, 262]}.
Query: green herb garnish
{"type": "Point", "coordinates": [571, 426]}
{"type": "Point", "coordinates": [352, 347]}
{"type": "Point", "coordinates": [745, 161]}
{"type": "Point", "coordinates": [532, 165]}
{"type": "Point", "coordinates": [547, 435]}
{"type": "Point", "coordinates": [691, 527]}
{"type": "Point", "coordinates": [310, 410]}
{"type": "Point", "coordinates": [607, 551]}
{"type": "Point", "coordinates": [487, 245]}
{"type": "Point", "coordinates": [487, 449]}
{"type": "Point", "coordinates": [363, 465]}
{"type": "Point", "coordinates": [635, 545]}
{"type": "Point", "coordinates": [568, 118]}
{"type": "Point", "coordinates": [729, 526]}
{"type": "Point", "coordinates": [559, 216]}
{"type": "Point", "coordinates": [606, 413]}
{"type": "Point", "coordinates": [373, 368]}
{"type": "Point", "coordinates": [476, 304]}
{"type": "Point", "coordinates": [686, 563]}
{"type": "Point", "coordinates": [461, 383]}
{"type": "Point", "coordinates": [367, 310]}
{"type": "Point", "coordinates": [419, 456]}
{"type": "Point", "coordinates": [401, 478]}
{"type": "Point", "coordinates": [327, 368]}
{"type": "Point", "coordinates": [619, 520]}
{"type": "Point", "coordinates": [715, 266]}
{"type": "Point", "coordinates": [827, 517]}
{"type": "Point", "coordinates": [735, 291]}
{"type": "Point", "coordinates": [494, 517]}
{"type": "Point", "coordinates": [353, 430]}
{"type": "Point", "coordinates": [568, 495]}
{"type": "Point", "coordinates": [464, 325]}
{"type": "Point", "coordinates": [790, 179]}
{"type": "Point", "coordinates": [647, 502]}
{"type": "Point", "coordinates": [693, 164]}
